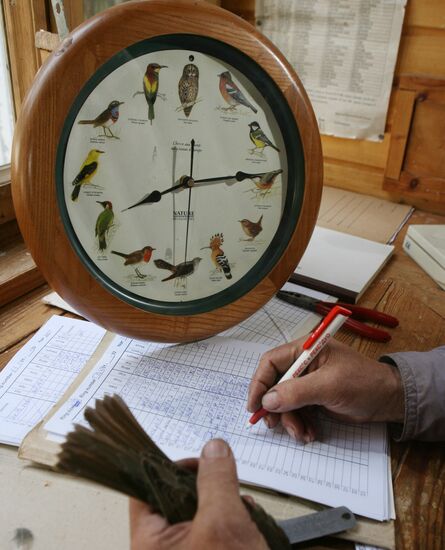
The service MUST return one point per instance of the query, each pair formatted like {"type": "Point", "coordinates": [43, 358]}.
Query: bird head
{"type": "Point", "coordinates": [225, 75]}
{"type": "Point", "coordinates": [155, 67]}
{"type": "Point", "coordinates": [244, 222]}
{"type": "Point", "coordinates": [190, 71]}
{"type": "Point", "coordinates": [148, 249]}
{"type": "Point", "coordinates": [93, 155]}
{"type": "Point", "coordinates": [254, 125]}
{"type": "Point", "coordinates": [106, 204]}
{"type": "Point", "coordinates": [196, 261]}
{"type": "Point", "coordinates": [114, 104]}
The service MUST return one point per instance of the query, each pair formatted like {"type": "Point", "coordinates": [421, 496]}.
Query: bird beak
{"type": "Point", "coordinates": [204, 247]}
{"type": "Point", "coordinates": [163, 66]}
{"type": "Point", "coordinates": [99, 151]}
{"type": "Point", "coordinates": [121, 102]}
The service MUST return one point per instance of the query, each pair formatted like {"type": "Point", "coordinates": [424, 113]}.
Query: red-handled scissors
{"type": "Point", "coordinates": [353, 323]}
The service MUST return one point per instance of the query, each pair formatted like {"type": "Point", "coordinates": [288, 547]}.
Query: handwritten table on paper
{"type": "Point", "coordinates": [184, 395]}
{"type": "Point", "coordinates": [40, 373]}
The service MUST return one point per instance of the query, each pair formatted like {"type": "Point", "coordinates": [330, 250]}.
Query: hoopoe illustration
{"type": "Point", "coordinates": [218, 257]}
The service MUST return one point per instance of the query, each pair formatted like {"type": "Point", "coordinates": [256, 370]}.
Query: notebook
{"type": "Point", "coordinates": [426, 245]}
{"type": "Point", "coordinates": [340, 264]}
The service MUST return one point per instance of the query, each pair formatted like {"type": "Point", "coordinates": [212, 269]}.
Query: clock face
{"type": "Point", "coordinates": [180, 174]}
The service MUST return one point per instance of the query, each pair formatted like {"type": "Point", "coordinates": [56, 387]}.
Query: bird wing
{"type": "Point", "coordinates": [103, 118]}
{"type": "Point", "coordinates": [150, 88]}
{"type": "Point", "coordinates": [104, 221]}
{"type": "Point", "coordinates": [86, 172]}
{"type": "Point", "coordinates": [162, 264]}
{"type": "Point", "coordinates": [237, 94]}
{"type": "Point", "coordinates": [117, 453]}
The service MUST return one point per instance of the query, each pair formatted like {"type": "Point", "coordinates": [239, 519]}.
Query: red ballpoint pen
{"type": "Point", "coordinates": [311, 348]}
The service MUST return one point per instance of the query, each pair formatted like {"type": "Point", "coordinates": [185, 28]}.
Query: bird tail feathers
{"type": "Point", "coordinates": [75, 193]}
{"type": "Point", "coordinates": [102, 242]}
{"type": "Point", "coordinates": [121, 254]}
{"type": "Point", "coordinates": [86, 122]}
{"type": "Point", "coordinates": [151, 112]}
{"type": "Point", "coordinates": [162, 264]}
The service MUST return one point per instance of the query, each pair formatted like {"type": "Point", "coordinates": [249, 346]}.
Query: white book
{"type": "Point", "coordinates": [340, 264]}
{"type": "Point", "coordinates": [426, 245]}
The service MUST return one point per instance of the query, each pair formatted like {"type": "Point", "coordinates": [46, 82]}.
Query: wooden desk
{"type": "Point", "coordinates": [402, 289]}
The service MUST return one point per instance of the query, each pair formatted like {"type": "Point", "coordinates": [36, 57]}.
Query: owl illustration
{"type": "Point", "coordinates": [188, 87]}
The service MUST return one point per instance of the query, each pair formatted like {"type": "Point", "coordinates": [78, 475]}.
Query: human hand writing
{"type": "Point", "coordinates": [221, 522]}
{"type": "Point", "coordinates": [347, 385]}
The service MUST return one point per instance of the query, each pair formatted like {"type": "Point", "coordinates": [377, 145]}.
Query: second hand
{"type": "Point", "coordinates": [192, 150]}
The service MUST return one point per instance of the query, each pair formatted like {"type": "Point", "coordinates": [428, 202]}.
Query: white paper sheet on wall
{"type": "Point", "coordinates": [344, 53]}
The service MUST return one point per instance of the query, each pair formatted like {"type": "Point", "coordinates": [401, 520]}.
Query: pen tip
{"type": "Point", "coordinates": [248, 425]}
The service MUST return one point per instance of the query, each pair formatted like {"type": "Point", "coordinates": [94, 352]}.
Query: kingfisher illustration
{"type": "Point", "coordinates": [219, 259]}
{"type": "Point", "coordinates": [259, 138]}
{"type": "Point", "coordinates": [136, 257]}
{"type": "Point", "coordinates": [188, 87]}
{"type": "Point", "coordinates": [184, 269]}
{"type": "Point", "coordinates": [151, 86]}
{"type": "Point", "coordinates": [87, 171]}
{"type": "Point", "coordinates": [103, 223]}
{"type": "Point", "coordinates": [231, 93]}
{"type": "Point", "coordinates": [106, 119]}
{"type": "Point", "coordinates": [251, 229]}
{"type": "Point", "coordinates": [265, 181]}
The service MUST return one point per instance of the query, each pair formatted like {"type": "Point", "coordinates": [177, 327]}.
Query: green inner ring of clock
{"type": "Point", "coordinates": [295, 159]}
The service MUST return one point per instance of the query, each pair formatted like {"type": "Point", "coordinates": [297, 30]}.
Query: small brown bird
{"type": "Point", "coordinates": [136, 257]}
{"type": "Point", "coordinates": [251, 229]}
{"type": "Point", "coordinates": [117, 453]}
{"type": "Point", "coordinates": [188, 87]}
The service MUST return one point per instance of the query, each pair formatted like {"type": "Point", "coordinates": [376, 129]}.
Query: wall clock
{"type": "Point", "coordinates": [167, 170]}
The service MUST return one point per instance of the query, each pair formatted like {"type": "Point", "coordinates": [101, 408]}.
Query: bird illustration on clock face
{"type": "Point", "coordinates": [188, 87]}
{"type": "Point", "coordinates": [106, 119]}
{"type": "Point", "coordinates": [219, 259]}
{"type": "Point", "coordinates": [232, 94]}
{"type": "Point", "coordinates": [264, 182]}
{"type": "Point", "coordinates": [259, 139]}
{"type": "Point", "coordinates": [104, 223]}
{"type": "Point", "coordinates": [150, 84]}
{"type": "Point", "coordinates": [136, 257]}
{"type": "Point", "coordinates": [86, 172]}
{"type": "Point", "coordinates": [179, 271]}
{"type": "Point", "coordinates": [251, 229]}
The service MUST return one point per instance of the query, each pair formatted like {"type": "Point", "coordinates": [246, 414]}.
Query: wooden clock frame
{"type": "Point", "coordinates": [41, 125]}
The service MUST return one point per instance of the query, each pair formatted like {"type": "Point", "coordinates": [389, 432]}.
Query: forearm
{"type": "Point", "coordinates": [423, 379]}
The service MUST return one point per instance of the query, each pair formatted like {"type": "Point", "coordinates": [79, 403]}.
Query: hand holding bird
{"type": "Point", "coordinates": [116, 452]}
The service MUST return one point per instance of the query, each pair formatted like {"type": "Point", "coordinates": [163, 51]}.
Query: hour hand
{"type": "Point", "coordinates": [155, 196]}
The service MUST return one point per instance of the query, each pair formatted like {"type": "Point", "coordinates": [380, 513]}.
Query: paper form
{"type": "Point", "coordinates": [344, 53]}
{"type": "Point", "coordinates": [184, 395]}
{"type": "Point", "coordinates": [361, 215]}
{"type": "Point", "coordinates": [37, 376]}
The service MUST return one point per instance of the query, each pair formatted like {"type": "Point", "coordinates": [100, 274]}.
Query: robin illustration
{"type": "Point", "coordinates": [103, 223]}
{"type": "Point", "coordinates": [184, 269]}
{"type": "Point", "coordinates": [136, 257]}
{"type": "Point", "coordinates": [251, 229]}
{"type": "Point", "coordinates": [231, 93]}
{"type": "Point", "coordinates": [151, 86]}
{"type": "Point", "coordinates": [266, 180]}
{"type": "Point", "coordinates": [87, 171]}
{"type": "Point", "coordinates": [106, 118]}
{"type": "Point", "coordinates": [219, 259]}
{"type": "Point", "coordinates": [259, 138]}
{"type": "Point", "coordinates": [188, 87]}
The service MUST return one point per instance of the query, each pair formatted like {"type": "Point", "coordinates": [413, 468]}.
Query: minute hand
{"type": "Point", "coordinates": [239, 176]}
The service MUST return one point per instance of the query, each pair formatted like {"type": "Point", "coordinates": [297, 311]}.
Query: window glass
{"type": "Point", "coordinates": [6, 108]}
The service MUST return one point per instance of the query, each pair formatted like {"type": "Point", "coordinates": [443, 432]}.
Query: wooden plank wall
{"type": "Point", "coordinates": [360, 165]}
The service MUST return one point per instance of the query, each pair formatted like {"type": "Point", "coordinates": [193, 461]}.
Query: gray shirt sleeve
{"type": "Point", "coordinates": [423, 378]}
